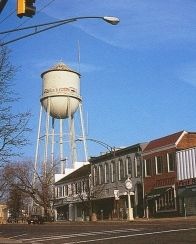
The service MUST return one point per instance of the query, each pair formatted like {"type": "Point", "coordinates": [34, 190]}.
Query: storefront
{"type": "Point", "coordinates": [161, 202]}
{"type": "Point", "coordinates": [187, 197]}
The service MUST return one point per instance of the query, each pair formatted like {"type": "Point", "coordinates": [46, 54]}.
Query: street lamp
{"type": "Point", "coordinates": [108, 147]}
{"type": "Point", "coordinates": [109, 19]}
{"type": "Point", "coordinates": [129, 186]}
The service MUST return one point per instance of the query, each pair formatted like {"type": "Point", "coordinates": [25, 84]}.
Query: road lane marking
{"type": "Point", "coordinates": [17, 236]}
{"type": "Point", "coordinates": [132, 235]}
{"type": "Point", "coordinates": [92, 233]}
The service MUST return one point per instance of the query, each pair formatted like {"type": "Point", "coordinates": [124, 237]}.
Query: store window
{"type": "Point", "coordinates": [166, 202]}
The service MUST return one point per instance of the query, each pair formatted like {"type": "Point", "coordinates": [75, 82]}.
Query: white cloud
{"type": "Point", "coordinates": [188, 74]}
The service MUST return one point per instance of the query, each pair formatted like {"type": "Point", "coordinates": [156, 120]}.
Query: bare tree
{"type": "Point", "coordinates": [20, 176]}
{"type": "Point", "coordinates": [13, 126]}
{"type": "Point", "coordinates": [88, 194]}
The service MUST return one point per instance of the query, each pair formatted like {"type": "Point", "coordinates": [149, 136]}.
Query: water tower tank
{"type": "Point", "coordinates": [60, 91]}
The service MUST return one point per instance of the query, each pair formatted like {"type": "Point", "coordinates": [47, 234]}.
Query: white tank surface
{"type": "Point", "coordinates": [60, 91]}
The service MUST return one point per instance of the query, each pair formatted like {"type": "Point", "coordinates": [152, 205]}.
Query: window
{"type": "Point", "coordinates": [66, 190]}
{"type": "Point", "coordinates": [95, 176]}
{"type": "Point", "coordinates": [56, 192]}
{"type": "Point", "coordinates": [121, 170]}
{"type": "Point", "coordinates": [73, 188]}
{"type": "Point", "coordinates": [60, 191]}
{"type": "Point", "coordinates": [159, 165]}
{"type": "Point", "coordinates": [87, 185]}
{"type": "Point", "coordinates": [106, 172]}
{"type": "Point", "coordinates": [171, 162]}
{"type": "Point", "coordinates": [148, 167]}
{"type": "Point", "coordinates": [76, 188]}
{"type": "Point", "coordinates": [83, 186]}
{"type": "Point", "coordinates": [129, 167]}
{"type": "Point", "coordinates": [69, 190]}
{"type": "Point", "coordinates": [101, 174]}
{"type": "Point", "coordinates": [167, 201]}
{"type": "Point", "coordinates": [113, 171]}
{"type": "Point", "coordinates": [137, 167]}
{"type": "Point", "coordinates": [79, 187]}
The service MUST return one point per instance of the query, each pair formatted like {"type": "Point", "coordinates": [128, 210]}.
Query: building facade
{"type": "Point", "coordinates": [72, 195]}
{"type": "Point", "coordinates": [186, 181]}
{"type": "Point", "coordinates": [160, 173]}
{"type": "Point", "coordinates": [109, 173]}
{"type": "Point", "coordinates": [163, 175]}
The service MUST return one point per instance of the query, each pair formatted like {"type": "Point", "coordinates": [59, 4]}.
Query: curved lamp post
{"type": "Point", "coordinates": [109, 19]}
{"type": "Point", "coordinates": [108, 147]}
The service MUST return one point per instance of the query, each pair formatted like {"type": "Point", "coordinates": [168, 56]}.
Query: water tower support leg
{"type": "Point", "coordinates": [37, 145]}
{"type": "Point", "coordinates": [61, 146]}
{"type": "Point", "coordinates": [52, 146]}
{"type": "Point", "coordinates": [72, 136]}
{"type": "Point", "coordinates": [46, 137]}
{"type": "Point", "coordinates": [83, 132]}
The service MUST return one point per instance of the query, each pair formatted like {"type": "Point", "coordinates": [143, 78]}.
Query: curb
{"type": "Point", "coordinates": [137, 220]}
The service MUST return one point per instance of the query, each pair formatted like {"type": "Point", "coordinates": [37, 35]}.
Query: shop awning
{"type": "Point", "coordinates": [157, 192]}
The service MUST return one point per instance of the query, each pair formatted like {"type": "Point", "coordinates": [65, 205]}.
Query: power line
{"type": "Point", "coordinates": [24, 22]}
{"type": "Point", "coordinates": [36, 26]}
{"type": "Point", "coordinates": [45, 6]}
{"type": "Point", "coordinates": [11, 13]}
{"type": "Point", "coordinates": [36, 32]}
{"type": "Point", "coordinates": [2, 4]}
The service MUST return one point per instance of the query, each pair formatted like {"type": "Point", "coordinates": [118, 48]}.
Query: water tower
{"type": "Point", "coordinates": [60, 103]}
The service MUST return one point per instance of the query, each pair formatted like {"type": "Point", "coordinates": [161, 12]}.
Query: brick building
{"type": "Point", "coordinates": [160, 173]}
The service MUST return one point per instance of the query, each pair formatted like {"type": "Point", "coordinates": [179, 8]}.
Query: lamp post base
{"type": "Point", "coordinates": [130, 214]}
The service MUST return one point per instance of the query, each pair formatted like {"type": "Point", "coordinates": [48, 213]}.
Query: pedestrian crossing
{"type": "Point", "coordinates": [77, 237]}
{"type": "Point", "coordinates": [120, 235]}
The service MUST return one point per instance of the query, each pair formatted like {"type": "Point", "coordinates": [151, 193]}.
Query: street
{"type": "Point", "coordinates": [140, 231]}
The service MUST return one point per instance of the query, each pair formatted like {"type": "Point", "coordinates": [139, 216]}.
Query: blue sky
{"type": "Point", "coordinates": [138, 78]}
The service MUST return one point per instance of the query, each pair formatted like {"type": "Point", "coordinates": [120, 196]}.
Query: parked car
{"type": "Point", "coordinates": [35, 219]}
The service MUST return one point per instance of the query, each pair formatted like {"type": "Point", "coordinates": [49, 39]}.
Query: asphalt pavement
{"type": "Point", "coordinates": [14, 241]}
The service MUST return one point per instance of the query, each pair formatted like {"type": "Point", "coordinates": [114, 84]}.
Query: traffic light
{"type": "Point", "coordinates": [25, 8]}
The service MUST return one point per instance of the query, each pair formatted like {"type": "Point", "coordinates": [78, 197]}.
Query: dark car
{"type": "Point", "coordinates": [35, 219]}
